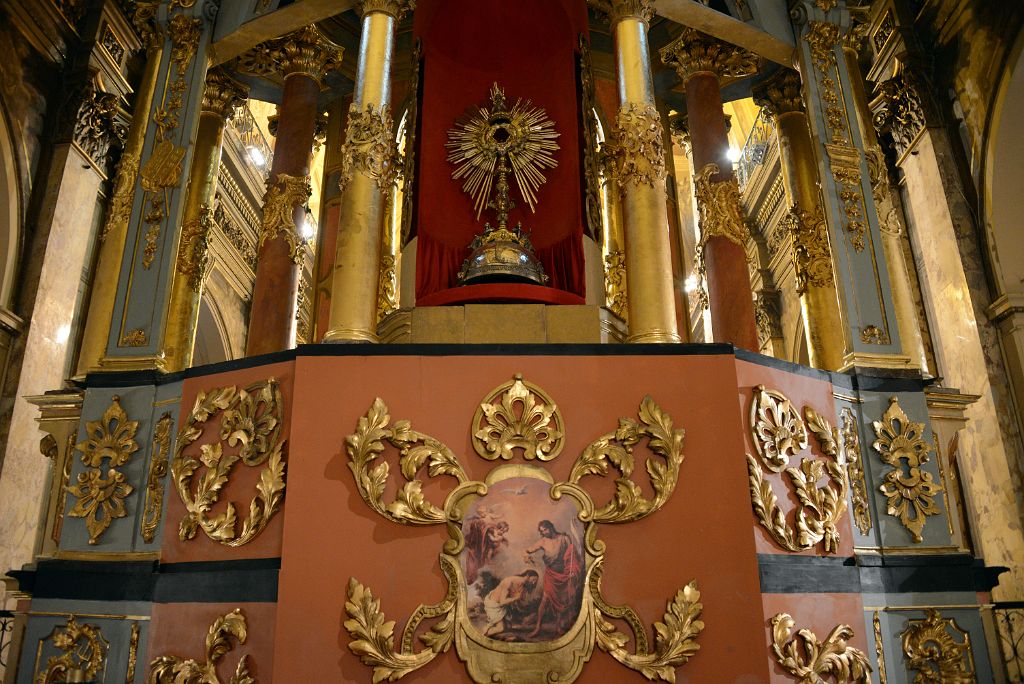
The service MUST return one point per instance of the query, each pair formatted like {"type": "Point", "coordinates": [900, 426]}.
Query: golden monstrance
{"type": "Point", "coordinates": [485, 149]}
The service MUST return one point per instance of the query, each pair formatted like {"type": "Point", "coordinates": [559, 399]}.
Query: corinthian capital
{"type": "Point", "coordinates": [222, 93]}
{"type": "Point", "coordinates": [617, 10]}
{"type": "Point", "coordinates": [899, 110]}
{"type": "Point", "coordinates": [694, 52]}
{"type": "Point", "coordinates": [306, 51]}
{"type": "Point", "coordinates": [395, 8]}
{"type": "Point", "coordinates": [779, 93]}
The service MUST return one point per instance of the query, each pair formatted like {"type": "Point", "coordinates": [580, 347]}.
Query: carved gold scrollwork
{"type": "Point", "coordinates": [416, 449]}
{"type": "Point", "coordinates": [911, 492]}
{"type": "Point", "coordinates": [935, 654]}
{"type": "Point", "coordinates": [251, 421]}
{"type": "Point", "coordinates": [812, 660]}
{"type": "Point", "coordinates": [720, 208]}
{"type": "Point", "coordinates": [175, 670]}
{"type": "Point", "coordinates": [527, 421]}
{"type": "Point", "coordinates": [369, 147]}
{"type": "Point", "coordinates": [616, 449]}
{"type": "Point", "coordinates": [84, 654]}
{"type": "Point", "coordinates": [194, 248]}
{"type": "Point", "coordinates": [855, 467]}
{"type": "Point", "coordinates": [637, 148]}
{"type": "Point", "coordinates": [778, 431]}
{"type": "Point", "coordinates": [615, 292]}
{"type": "Point", "coordinates": [812, 256]}
{"type": "Point", "coordinates": [518, 415]}
{"type": "Point", "coordinates": [675, 640]}
{"type": "Point", "coordinates": [155, 480]}
{"type": "Point", "coordinates": [101, 499]}
{"type": "Point", "coordinates": [283, 194]}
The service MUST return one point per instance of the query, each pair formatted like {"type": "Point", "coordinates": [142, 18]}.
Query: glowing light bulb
{"type": "Point", "coordinates": [733, 154]}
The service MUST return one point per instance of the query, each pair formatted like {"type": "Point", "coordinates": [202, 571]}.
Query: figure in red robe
{"type": "Point", "coordinates": [563, 575]}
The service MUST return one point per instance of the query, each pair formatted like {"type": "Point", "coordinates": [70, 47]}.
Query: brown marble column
{"type": "Point", "coordinates": [812, 254]}
{"type": "Point", "coordinates": [305, 56]}
{"type": "Point", "coordinates": [701, 62]}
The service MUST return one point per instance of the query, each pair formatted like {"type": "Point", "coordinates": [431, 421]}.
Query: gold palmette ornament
{"type": "Point", "coordinates": [493, 143]}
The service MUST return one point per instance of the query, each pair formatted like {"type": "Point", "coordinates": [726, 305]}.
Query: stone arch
{"type": "Point", "coordinates": [212, 344]}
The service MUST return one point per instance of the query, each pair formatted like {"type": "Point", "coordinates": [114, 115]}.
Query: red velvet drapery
{"type": "Point", "coordinates": [528, 47]}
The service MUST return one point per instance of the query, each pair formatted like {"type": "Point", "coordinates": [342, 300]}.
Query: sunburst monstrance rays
{"type": "Point", "coordinates": [524, 135]}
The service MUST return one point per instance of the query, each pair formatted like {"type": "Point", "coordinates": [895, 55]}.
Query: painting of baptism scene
{"type": "Point", "coordinates": [523, 562]}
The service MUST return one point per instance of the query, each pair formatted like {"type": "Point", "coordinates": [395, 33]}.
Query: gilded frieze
{"type": "Point", "coordinates": [938, 650]}
{"type": "Point", "coordinates": [101, 493]}
{"type": "Point", "coordinates": [250, 426]}
{"type": "Point", "coordinates": [499, 641]}
{"type": "Point", "coordinates": [284, 194]}
{"type": "Point", "coordinates": [778, 432]}
{"type": "Point", "coordinates": [170, 669]}
{"type": "Point", "coordinates": [909, 489]}
{"type": "Point", "coordinates": [84, 654]}
{"type": "Point", "coordinates": [808, 660]}
{"type": "Point", "coordinates": [153, 505]}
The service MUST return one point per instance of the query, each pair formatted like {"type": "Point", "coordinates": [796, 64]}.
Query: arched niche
{"type": "Point", "coordinates": [10, 210]}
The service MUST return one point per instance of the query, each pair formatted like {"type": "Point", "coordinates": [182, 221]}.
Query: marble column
{"type": "Point", "coordinates": [368, 171]}
{"type": "Point", "coordinates": [305, 57]}
{"type": "Point", "coordinates": [702, 62]}
{"type": "Point", "coordinates": [812, 255]}
{"type": "Point", "coordinates": [637, 143]}
{"type": "Point", "coordinates": [220, 98]}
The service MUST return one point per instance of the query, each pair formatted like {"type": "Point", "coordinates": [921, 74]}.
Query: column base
{"type": "Point", "coordinates": [654, 337]}
{"type": "Point", "coordinates": [350, 336]}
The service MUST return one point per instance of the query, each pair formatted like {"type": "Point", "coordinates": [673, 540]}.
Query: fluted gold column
{"type": "Point", "coordinates": [702, 62]}
{"type": "Point", "coordinates": [221, 96]}
{"type": "Point", "coordinates": [637, 143]}
{"type": "Point", "coordinates": [115, 229]}
{"type": "Point", "coordinates": [805, 221]}
{"type": "Point", "coordinates": [890, 226]}
{"type": "Point", "coordinates": [369, 165]}
{"type": "Point", "coordinates": [304, 57]}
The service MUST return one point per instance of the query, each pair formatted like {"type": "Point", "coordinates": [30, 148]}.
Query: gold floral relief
{"type": "Point", "coordinates": [84, 654]}
{"type": "Point", "coordinates": [616, 297]}
{"type": "Point", "coordinates": [855, 466]}
{"type": "Point", "coordinates": [552, 642]}
{"type": "Point", "coordinates": [250, 427]}
{"type": "Point", "coordinates": [938, 650]}
{"type": "Point", "coordinates": [778, 432]}
{"type": "Point", "coordinates": [170, 669]}
{"type": "Point", "coordinates": [153, 506]}
{"type": "Point", "coordinates": [283, 195]}
{"type": "Point", "coordinates": [101, 493]}
{"type": "Point", "coordinates": [518, 417]}
{"type": "Point", "coordinates": [808, 660]}
{"type": "Point", "coordinates": [909, 490]}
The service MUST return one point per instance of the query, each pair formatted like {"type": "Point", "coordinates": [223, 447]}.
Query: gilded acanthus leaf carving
{"type": "Point", "coordinates": [720, 207]}
{"type": "Point", "coordinates": [284, 194]}
{"type": "Point", "coordinates": [155, 479]}
{"type": "Point", "coordinates": [416, 450]}
{"type": "Point", "coordinates": [616, 297]}
{"type": "Point", "coordinates": [84, 654]}
{"type": "Point", "coordinates": [616, 449]}
{"type": "Point", "coordinates": [251, 424]}
{"type": "Point", "coordinates": [101, 495]}
{"type": "Point", "coordinates": [175, 670]}
{"type": "Point", "coordinates": [636, 149]}
{"type": "Point", "coordinates": [369, 147]}
{"type": "Point", "coordinates": [777, 431]}
{"type": "Point", "coordinates": [935, 654]}
{"type": "Point", "coordinates": [812, 660]}
{"type": "Point", "coordinates": [518, 415]}
{"type": "Point", "coordinates": [855, 467]}
{"type": "Point", "coordinates": [909, 489]}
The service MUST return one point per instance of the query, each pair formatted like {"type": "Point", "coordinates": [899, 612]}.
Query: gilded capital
{"type": "Point", "coordinates": [306, 51]}
{"type": "Point", "coordinates": [617, 10]}
{"type": "Point", "coordinates": [899, 110]}
{"type": "Point", "coordinates": [779, 93]}
{"type": "Point", "coordinates": [694, 52]}
{"type": "Point", "coordinates": [144, 20]}
{"type": "Point", "coordinates": [394, 8]}
{"type": "Point", "coordinates": [222, 93]}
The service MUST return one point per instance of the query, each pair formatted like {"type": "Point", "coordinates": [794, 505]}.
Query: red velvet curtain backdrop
{"type": "Point", "coordinates": [529, 48]}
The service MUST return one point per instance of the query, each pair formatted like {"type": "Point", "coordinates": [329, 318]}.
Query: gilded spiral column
{"type": "Point", "coordinates": [221, 96]}
{"type": "Point", "coordinates": [702, 62]}
{"type": "Point", "coordinates": [115, 229]}
{"type": "Point", "coordinates": [368, 169]}
{"type": "Point", "coordinates": [304, 58]}
{"type": "Point", "coordinates": [637, 144]}
{"type": "Point", "coordinates": [805, 220]}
